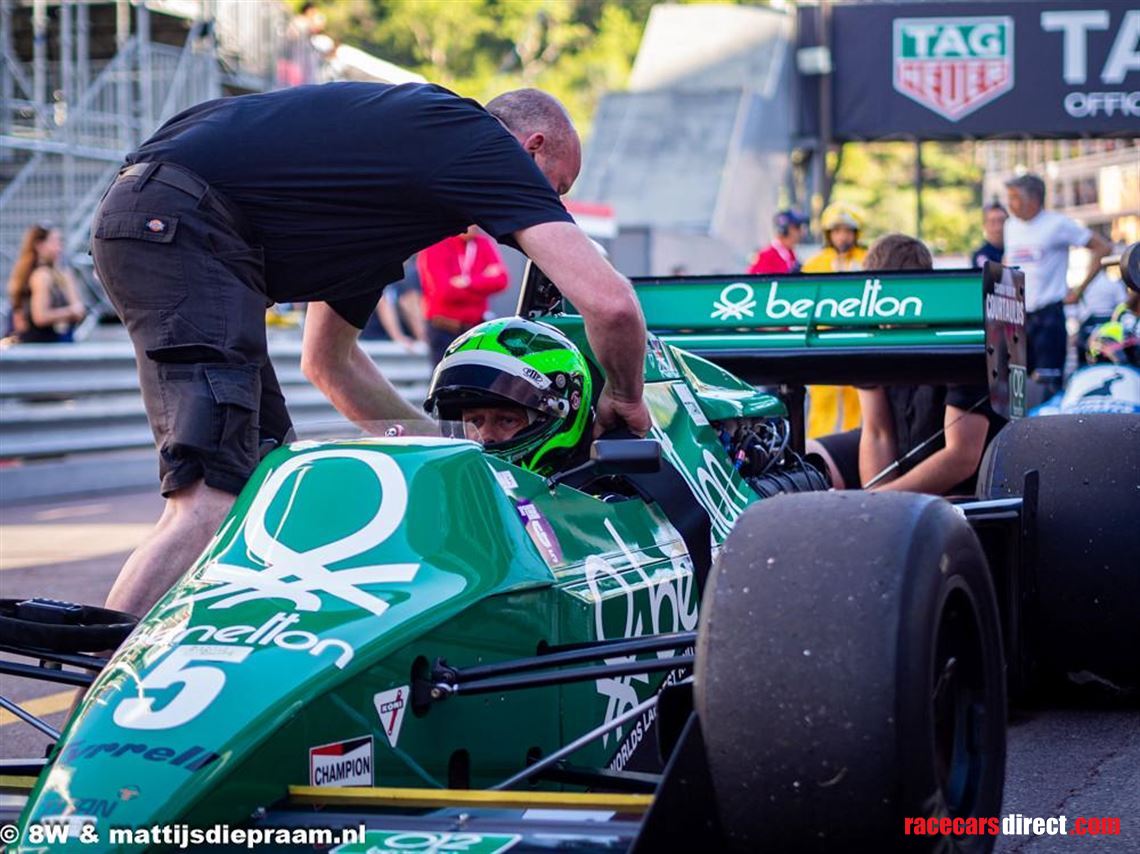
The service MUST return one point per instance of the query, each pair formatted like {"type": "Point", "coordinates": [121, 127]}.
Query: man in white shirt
{"type": "Point", "coordinates": [1038, 241]}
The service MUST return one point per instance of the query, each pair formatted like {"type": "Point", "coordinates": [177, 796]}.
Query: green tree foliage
{"type": "Point", "coordinates": [574, 49]}
{"type": "Point", "coordinates": [880, 178]}
{"type": "Point", "coordinates": [579, 49]}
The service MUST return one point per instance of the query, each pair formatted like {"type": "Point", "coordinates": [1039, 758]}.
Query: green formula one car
{"type": "Point", "coordinates": [685, 642]}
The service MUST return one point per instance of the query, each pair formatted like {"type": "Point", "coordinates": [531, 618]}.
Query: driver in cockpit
{"type": "Point", "coordinates": [522, 389]}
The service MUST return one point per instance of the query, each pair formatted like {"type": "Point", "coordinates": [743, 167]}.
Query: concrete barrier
{"type": "Point", "coordinates": [72, 420]}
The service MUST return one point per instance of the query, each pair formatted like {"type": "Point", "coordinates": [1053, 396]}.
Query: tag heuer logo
{"type": "Point", "coordinates": [953, 66]}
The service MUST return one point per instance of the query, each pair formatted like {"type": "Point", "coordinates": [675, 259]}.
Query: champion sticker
{"type": "Point", "coordinates": [390, 705]}
{"type": "Point", "coordinates": [342, 763]}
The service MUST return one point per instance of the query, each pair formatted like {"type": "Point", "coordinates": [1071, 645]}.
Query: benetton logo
{"type": "Point", "coordinates": [953, 66]}
{"type": "Point", "coordinates": [738, 301]}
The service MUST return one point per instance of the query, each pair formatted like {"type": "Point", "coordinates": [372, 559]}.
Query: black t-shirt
{"type": "Point", "coordinates": [918, 412]}
{"type": "Point", "coordinates": [341, 182]}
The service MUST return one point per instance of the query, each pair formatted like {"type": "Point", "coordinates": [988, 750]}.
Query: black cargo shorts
{"type": "Point", "coordinates": [179, 264]}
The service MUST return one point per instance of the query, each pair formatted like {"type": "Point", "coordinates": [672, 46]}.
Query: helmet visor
{"type": "Point", "coordinates": [467, 377]}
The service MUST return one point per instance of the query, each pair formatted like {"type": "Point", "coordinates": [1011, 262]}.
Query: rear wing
{"type": "Point", "coordinates": [881, 328]}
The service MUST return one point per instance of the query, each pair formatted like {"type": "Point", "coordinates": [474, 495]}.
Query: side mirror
{"type": "Point", "coordinates": [614, 456]}
{"type": "Point", "coordinates": [626, 456]}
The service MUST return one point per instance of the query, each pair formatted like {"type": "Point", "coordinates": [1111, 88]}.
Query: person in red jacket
{"type": "Point", "coordinates": [457, 275]}
{"type": "Point", "coordinates": [780, 255]}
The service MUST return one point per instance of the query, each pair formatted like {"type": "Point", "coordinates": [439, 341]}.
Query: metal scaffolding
{"type": "Point", "coordinates": [73, 104]}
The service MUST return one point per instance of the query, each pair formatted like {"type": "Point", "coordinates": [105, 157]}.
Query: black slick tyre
{"type": "Point", "coordinates": [849, 676]}
{"type": "Point", "coordinates": [1082, 616]}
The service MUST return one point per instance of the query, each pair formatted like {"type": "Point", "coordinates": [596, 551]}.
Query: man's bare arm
{"type": "Point", "coordinates": [614, 323]}
{"type": "Point", "coordinates": [1099, 249]}
{"type": "Point", "coordinates": [948, 466]}
{"type": "Point", "coordinates": [332, 360]}
{"type": "Point", "coordinates": [877, 445]}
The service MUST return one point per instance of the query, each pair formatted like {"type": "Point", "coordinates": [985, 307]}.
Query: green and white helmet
{"type": "Point", "coordinates": [522, 363]}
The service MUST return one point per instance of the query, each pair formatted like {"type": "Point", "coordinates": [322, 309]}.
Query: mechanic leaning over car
{"type": "Point", "coordinates": [832, 407]}
{"type": "Point", "coordinates": [927, 438]}
{"type": "Point", "coordinates": [318, 194]}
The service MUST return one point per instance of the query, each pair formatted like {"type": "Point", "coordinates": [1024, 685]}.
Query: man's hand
{"type": "Point", "coordinates": [614, 323]}
{"type": "Point", "coordinates": [614, 412]}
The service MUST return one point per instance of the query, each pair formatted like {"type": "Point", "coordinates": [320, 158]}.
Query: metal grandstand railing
{"type": "Point", "coordinates": [75, 155]}
{"type": "Point", "coordinates": [56, 157]}
{"type": "Point", "coordinates": [82, 399]}
{"type": "Point", "coordinates": [65, 125]}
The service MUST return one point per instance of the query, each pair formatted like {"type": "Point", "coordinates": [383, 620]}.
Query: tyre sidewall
{"type": "Point", "coordinates": [949, 562]}
{"type": "Point", "coordinates": [853, 773]}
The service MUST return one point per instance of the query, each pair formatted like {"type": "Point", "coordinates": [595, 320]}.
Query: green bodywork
{"type": "Point", "coordinates": [340, 565]}
{"type": "Point", "coordinates": [345, 567]}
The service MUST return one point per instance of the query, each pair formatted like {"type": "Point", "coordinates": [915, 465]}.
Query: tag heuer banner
{"type": "Point", "coordinates": [1002, 68]}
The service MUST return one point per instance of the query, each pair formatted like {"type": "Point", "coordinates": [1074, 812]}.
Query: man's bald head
{"type": "Point", "coordinates": [543, 128]}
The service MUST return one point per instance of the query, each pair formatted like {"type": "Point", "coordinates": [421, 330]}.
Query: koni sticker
{"type": "Point", "coordinates": [390, 706]}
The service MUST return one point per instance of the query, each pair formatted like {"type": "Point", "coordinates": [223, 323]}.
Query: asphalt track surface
{"type": "Point", "coordinates": [1074, 760]}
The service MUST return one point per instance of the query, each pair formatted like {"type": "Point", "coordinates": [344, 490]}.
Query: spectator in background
{"type": "Point", "coordinates": [1096, 302]}
{"type": "Point", "coordinates": [44, 297]}
{"type": "Point", "coordinates": [457, 275]}
{"type": "Point", "coordinates": [300, 60]}
{"type": "Point", "coordinates": [993, 225]}
{"type": "Point", "coordinates": [779, 256]}
{"type": "Point", "coordinates": [835, 408]}
{"type": "Point", "coordinates": [924, 438]}
{"type": "Point", "coordinates": [399, 313]}
{"type": "Point", "coordinates": [841, 224]}
{"type": "Point", "coordinates": [1038, 241]}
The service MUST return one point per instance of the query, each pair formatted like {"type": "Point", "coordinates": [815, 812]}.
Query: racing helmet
{"type": "Point", "coordinates": [841, 214]}
{"type": "Point", "coordinates": [518, 362]}
{"type": "Point", "coordinates": [1116, 342]}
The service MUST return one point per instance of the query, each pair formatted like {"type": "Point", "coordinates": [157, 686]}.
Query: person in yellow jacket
{"type": "Point", "coordinates": [834, 409]}
{"type": "Point", "coordinates": [842, 252]}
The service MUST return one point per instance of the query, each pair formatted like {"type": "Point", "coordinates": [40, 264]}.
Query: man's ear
{"type": "Point", "coordinates": [534, 143]}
